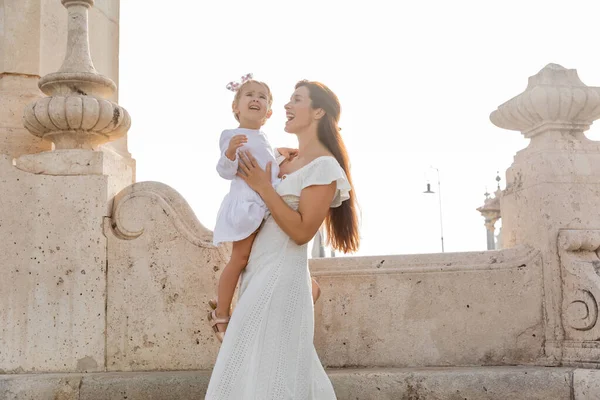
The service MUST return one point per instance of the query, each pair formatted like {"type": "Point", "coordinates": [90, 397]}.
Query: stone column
{"type": "Point", "coordinates": [553, 190]}
{"type": "Point", "coordinates": [19, 72]}
{"type": "Point", "coordinates": [491, 213]}
{"type": "Point", "coordinates": [489, 228]}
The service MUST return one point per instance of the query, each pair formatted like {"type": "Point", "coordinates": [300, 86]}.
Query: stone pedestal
{"type": "Point", "coordinates": [54, 260]}
{"type": "Point", "coordinates": [53, 205]}
{"type": "Point", "coordinates": [554, 185]}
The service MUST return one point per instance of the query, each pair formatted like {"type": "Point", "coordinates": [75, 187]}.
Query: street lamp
{"type": "Point", "coordinates": [429, 191]}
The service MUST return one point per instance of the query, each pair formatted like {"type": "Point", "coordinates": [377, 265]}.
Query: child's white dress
{"type": "Point", "coordinates": [242, 210]}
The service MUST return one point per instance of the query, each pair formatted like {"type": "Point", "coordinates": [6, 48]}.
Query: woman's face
{"type": "Point", "coordinates": [298, 111]}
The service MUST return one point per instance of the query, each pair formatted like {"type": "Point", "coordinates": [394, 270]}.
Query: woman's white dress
{"type": "Point", "coordinates": [242, 210]}
{"type": "Point", "coordinates": [268, 351]}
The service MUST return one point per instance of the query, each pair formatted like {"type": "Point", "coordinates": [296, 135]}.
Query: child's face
{"type": "Point", "coordinates": [253, 105]}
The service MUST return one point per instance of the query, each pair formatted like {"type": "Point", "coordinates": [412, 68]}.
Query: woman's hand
{"type": "Point", "coordinates": [257, 178]}
{"type": "Point", "coordinates": [288, 153]}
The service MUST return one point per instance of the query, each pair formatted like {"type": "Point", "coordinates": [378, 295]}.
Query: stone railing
{"type": "Point", "coordinates": [479, 308]}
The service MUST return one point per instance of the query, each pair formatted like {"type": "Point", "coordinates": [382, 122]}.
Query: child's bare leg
{"type": "Point", "coordinates": [316, 290]}
{"type": "Point", "coordinates": [230, 275]}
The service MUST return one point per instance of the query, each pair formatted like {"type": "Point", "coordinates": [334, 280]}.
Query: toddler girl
{"type": "Point", "coordinates": [242, 210]}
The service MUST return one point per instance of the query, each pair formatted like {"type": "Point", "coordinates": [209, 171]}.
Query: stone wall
{"type": "Point", "coordinates": [480, 308]}
{"type": "Point", "coordinates": [162, 271]}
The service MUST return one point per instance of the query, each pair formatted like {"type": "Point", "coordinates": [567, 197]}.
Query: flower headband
{"type": "Point", "coordinates": [234, 85]}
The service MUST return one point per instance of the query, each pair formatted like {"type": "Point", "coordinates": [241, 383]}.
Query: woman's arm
{"type": "Point", "coordinates": [302, 225]}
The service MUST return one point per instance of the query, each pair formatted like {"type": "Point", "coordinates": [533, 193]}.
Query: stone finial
{"type": "Point", "coordinates": [77, 115]}
{"type": "Point", "coordinates": [490, 211]}
{"type": "Point", "coordinates": [555, 99]}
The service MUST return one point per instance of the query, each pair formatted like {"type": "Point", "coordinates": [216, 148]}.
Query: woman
{"type": "Point", "coordinates": [268, 350]}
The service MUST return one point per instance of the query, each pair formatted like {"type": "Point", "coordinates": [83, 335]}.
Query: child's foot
{"type": "Point", "coordinates": [218, 324]}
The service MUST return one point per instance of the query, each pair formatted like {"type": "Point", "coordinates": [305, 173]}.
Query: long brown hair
{"type": "Point", "coordinates": [341, 222]}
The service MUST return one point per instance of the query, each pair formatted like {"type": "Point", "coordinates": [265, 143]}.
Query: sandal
{"type": "Point", "coordinates": [213, 320]}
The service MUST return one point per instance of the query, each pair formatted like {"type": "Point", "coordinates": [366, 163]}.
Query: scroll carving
{"type": "Point", "coordinates": [580, 264]}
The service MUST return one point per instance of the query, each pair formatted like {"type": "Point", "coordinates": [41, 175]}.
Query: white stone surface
{"type": "Point", "coordinates": [163, 269]}
{"type": "Point", "coordinates": [553, 184]}
{"type": "Point", "coordinates": [20, 37]}
{"type": "Point", "coordinates": [483, 383]}
{"type": "Point", "coordinates": [53, 286]}
{"type": "Point", "coordinates": [494, 383]}
{"type": "Point", "coordinates": [16, 91]}
{"type": "Point", "coordinates": [586, 384]}
{"type": "Point", "coordinates": [479, 308]}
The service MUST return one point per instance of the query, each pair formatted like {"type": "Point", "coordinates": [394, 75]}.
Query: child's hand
{"type": "Point", "coordinates": [288, 153]}
{"type": "Point", "coordinates": [235, 143]}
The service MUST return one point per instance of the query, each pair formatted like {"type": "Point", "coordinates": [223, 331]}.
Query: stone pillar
{"type": "Point", "coordinates": [53, 209]}
{"type": "Point", "coordinates": [19, 71]}
{"type": "Point", "coordinates": [32, 44]}
{"type": "Point", "coordinates": [491, 213]}
{"type": "Point", "coordinates": [491, 242]}
{"type": "Point", "coordinates": [552, 193]}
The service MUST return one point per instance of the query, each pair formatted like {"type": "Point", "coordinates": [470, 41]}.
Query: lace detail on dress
{"type": "Point", "coordinates": [242, 346]}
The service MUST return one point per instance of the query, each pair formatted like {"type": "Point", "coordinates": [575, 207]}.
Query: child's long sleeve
{"type": "Point", "coordinates": [226, 168]}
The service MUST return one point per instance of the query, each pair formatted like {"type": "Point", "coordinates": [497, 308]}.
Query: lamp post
{"type": "Point", "coordinates": [428, 191]}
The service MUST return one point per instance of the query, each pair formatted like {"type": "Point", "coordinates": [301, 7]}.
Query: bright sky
{"type": "Point", "coordinates": [416, 80]}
